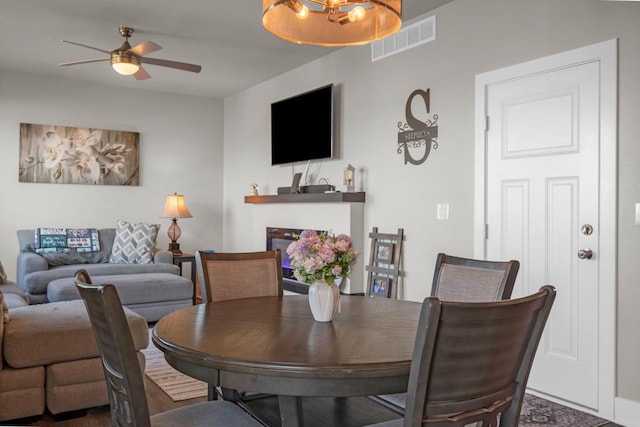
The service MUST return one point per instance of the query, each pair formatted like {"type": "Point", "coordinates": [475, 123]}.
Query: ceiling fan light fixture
{"type": "Point", "coordinates": [126, 64]}
{"type": "Point", "coordinates": [314, 21]}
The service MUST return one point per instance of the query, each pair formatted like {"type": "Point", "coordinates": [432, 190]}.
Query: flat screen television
{"type": "Point", "coordinates": [302, 127]}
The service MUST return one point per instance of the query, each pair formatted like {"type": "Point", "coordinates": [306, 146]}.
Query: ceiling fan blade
{"type": "Point", "coordinates": [172, 64]}
{"type": "Point", "coordinates": [86, 61]}
{"type": "Point", "coordinates": [88, 47]}
{"type": "Point", "coordinates": [141, 74]}
{"type": "Point", "coordinates": [145, 48]}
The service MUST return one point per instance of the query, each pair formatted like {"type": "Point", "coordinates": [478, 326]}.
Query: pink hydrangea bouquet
{"type": "Point", "coordinates": [322, 256]}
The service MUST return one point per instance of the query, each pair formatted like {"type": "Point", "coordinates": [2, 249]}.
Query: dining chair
{"type": "Point", "coordinates": [226, 276]}
{"type": "Point", "coordinates": [471, 361]}
{"type": "Point", "coordinates": [463, 280]}
{"type": "Point", "coordinates": [125, 380]}
{"type": "Point", "coordinates": [473, 280]}
{"type": "Point", "coordinates": [383, 270]}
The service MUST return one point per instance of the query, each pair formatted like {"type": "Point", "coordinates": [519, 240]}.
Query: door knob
{"type": "Point", "coordinates": [585, 253]}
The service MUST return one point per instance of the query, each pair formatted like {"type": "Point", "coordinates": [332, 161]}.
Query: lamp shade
{"type": "Point", "coordinates": [175, 207]}
{"type": "Point", "coordinates": [332, 22]}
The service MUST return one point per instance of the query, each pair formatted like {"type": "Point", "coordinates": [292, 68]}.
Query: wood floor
{"type": "Point", "coordinates": [100, 417]}
{"type": "Point", "coordinates": [319, 412]}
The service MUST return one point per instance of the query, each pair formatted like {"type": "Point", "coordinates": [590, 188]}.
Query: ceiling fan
{"type": "Point", "coordinates": [128, 60]}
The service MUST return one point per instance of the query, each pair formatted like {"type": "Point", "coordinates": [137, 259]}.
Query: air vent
{"type": "Point", "coordinates": [408, 37]}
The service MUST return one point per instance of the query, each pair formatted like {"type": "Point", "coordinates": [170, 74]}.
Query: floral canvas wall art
{"type": "Point", "coordinates": [70, 155]}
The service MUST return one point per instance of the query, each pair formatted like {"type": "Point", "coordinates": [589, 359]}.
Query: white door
{"type": "Point", "coordinates": [543, 204]}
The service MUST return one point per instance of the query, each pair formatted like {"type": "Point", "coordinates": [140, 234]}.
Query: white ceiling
{"type": "Point", "coordinates": [226, 38]}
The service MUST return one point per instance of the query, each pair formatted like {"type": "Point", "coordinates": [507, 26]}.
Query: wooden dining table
{"type": "Point", "coordinates": [273, 345]}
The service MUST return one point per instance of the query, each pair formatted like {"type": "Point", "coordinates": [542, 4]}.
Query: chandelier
{"type": "Point", "coordinates": [332, 22]}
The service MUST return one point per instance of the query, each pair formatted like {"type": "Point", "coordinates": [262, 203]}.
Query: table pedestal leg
{"type": "Point", "coordinates": [291, 411]}
{"type": "Point", "coordinates": [212, 394]}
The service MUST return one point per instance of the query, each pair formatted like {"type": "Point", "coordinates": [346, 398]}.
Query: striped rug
{"type": "Point", "coordinates": [176, 384]}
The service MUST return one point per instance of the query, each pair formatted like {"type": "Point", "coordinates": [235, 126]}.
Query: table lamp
{"type": "Point", "coordinates": [174, 208]}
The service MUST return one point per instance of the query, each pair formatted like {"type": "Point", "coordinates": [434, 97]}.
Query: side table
{"type": "Point", "coordinates": [190, 258]}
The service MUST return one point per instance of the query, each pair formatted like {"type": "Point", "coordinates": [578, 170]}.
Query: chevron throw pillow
{"type": "Point", "coordinates": [134, 243]}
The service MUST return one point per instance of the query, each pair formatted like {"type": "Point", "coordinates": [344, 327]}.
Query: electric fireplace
{"type": "Point", "coordinates": [280, 238]}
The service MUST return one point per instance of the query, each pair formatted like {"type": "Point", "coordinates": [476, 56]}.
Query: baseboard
{"type": "Point", "coordinates": [627, 412]}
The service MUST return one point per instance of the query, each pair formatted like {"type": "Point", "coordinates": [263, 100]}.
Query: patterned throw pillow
{"type": "Point", "coordinates": [134, 243]}
{"type": "Point", "coordinates": [3, 275]}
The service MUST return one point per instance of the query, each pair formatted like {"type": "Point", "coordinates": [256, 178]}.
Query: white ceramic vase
{"type": "Point", "coordinates": [324, 300]}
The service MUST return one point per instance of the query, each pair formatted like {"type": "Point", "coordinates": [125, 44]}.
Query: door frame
{"type": "Point", "coordinates": [606, 54]}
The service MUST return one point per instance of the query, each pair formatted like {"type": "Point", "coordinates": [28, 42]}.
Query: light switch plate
{"type": "Point", "coordinates": [443, 211]}
{"type": "Point", "coordinates": [637, 213]}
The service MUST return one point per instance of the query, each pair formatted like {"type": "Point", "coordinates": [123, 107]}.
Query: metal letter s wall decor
{"type": "Point", "coordinates": [415, 134]}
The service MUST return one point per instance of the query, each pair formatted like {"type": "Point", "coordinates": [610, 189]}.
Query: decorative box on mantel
{"type": "Point", "coordinates": [336, 212]}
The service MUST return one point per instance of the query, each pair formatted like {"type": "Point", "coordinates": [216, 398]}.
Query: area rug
{"type": "Point", "coordinates": [176, 385]}
{"type": "Point", "coordinates": [536, 412]}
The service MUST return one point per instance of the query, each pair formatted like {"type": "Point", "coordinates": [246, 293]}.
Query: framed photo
{"type": "Point", "coordinates": [70, 155]}
{"type": "Point", "coordinates": [381, 287]}
{"type": "Point", "coordinates": [384, 252]}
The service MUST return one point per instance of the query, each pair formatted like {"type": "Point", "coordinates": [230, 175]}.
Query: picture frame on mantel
{"type": "Point", "coordinates": [72, 155]}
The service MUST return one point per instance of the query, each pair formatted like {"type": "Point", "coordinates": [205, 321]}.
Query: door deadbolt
{"type": "Point", "coordinates": [585, 253]}
{"type": "Point", "coordinates": [587, 229]}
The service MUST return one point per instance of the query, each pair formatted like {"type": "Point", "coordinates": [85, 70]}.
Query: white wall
{"type": "Point", "coordinates": [472, 37]}
{"type": "Point", "coordinates": [180, 151]}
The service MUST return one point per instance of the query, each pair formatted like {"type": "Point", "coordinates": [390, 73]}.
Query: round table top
{"type": "Point", "coordinates": [277, 336]}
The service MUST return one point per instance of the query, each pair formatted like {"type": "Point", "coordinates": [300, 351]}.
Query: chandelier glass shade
{"type": "Point", "coordinates": [125, 64]}
{"type": "Point", "coordinates": [332, 22]}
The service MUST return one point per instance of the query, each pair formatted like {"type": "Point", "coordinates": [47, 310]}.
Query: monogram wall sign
{"type": "Point", "coordinates": [415, 134]}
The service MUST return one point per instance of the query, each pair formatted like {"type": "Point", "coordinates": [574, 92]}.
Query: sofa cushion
{"type": "Point", "coordinates": [57, 332]}
{"type": "Point", "coordinates": [74, 385]}
{"type": "Point", "coordinates": [134, 243]}
{"type": "Point", "coordinates": [11, 300]}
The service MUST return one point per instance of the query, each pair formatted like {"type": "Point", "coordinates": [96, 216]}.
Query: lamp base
{"type": "Point", "coordinates": [175, 248]}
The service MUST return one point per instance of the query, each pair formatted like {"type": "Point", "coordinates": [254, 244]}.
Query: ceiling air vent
{"type": "Point", "coordinates": [410, 36]}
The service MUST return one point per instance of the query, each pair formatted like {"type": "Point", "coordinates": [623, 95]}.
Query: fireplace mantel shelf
{"type": "Point", "coordinates": [336, 197]}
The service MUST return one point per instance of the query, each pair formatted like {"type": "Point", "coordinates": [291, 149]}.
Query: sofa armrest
{"type": "Point", "coordinates": [28, 262]}
{"type": "Point", "coordinates": [162, 256]}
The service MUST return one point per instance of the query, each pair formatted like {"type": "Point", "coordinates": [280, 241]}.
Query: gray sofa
{"type": "Point", "coordinates": [151, 290]}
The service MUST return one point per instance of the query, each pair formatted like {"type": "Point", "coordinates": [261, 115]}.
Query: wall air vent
{"type": "Point", "coordinates": [408, 37]}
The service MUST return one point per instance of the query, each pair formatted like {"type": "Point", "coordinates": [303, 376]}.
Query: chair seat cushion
{"type": "Point", "coordinates": [58, 332]}
{"type": "Point", "coordinates": [218, 413]}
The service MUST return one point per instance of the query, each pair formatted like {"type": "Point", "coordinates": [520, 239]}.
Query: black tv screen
{"type": "Point", "coordinates": [302, 127]}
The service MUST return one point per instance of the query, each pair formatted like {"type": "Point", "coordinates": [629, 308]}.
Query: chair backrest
{"type": "Point", "coordinates": [472, 280]}
{"type": "Point", "coordinates": [471, 361]}
{"type": "Point", "coordinates": [125, 381]}
{"type": "Point", "coordinates": [226, 276]}
{"type": "Point", "coordinates": [383, 270]}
